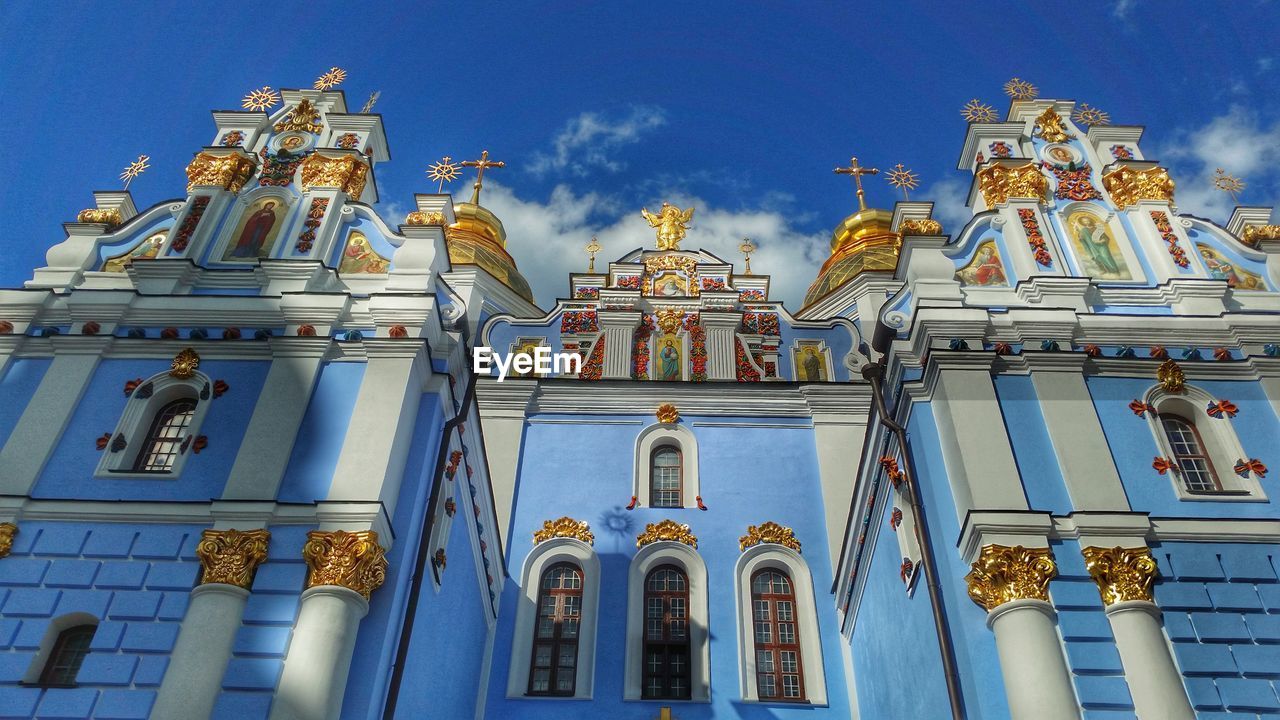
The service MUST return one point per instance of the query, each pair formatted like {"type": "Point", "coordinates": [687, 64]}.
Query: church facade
{"type": "Point", "coordinates": [250, 468]}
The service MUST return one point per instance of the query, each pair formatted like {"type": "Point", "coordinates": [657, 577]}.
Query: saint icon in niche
{"type": "Point", "coordinates": [669, 358]}
{"type": "Point", "coordinates": [1098, 252]}
{"type": "Point", "coordinates": [1061, 155]}
{"type": "Point", "coordinates": [810, 362]}
{"type": "Point", "coordinates": [668, 285]}
{"type": "Point", "coordinates": [1220, 268]}
{"type": "Point", "coordinates": [144, 250]}
{"type": "Point", "coordinates": [358, 257]}
{"type": "Point", "coordinates": [984, 269]}
{"type": "Point", "coordinates": [257, 231]}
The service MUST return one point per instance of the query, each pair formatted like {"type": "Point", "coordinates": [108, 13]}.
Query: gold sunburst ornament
{"type": "Point", "coordinates": [1228, 184]}
{"type": "Point", "coordinates": [975, 111]}
{"type": "Point", "coordinates": [134, 169]}
{"type": "Point", "coordinates": [260, 99]}
{"type": "Point", "coordinates": [444, 171]}
{"type": "Point", "coordinates": [1020, 89]}
{"type": "Point", "coordinates": [1085, 115]}
{"type": "Point", "coordinates": [903, 179]}
{"type": "Point", "coordinates": [331, 79]}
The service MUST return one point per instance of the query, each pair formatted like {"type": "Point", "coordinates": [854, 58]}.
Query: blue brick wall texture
{"type": "Point", "coordinates": [1221, 605]}
{"type": "Point", "coordinates": [134, 579]}
{"type": "Point", "coordinates": [1091, 648]}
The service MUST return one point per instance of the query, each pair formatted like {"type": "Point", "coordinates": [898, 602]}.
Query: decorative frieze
{"type": "Point", "coordinates": [769, 532]}
{"type": "Point", "coordinates": [1003, 574]}
{"type": "Point", "coordinates": [1129, 185]}
{"type": "Point", "coordinates": [564, 527]}
{"type": "Point", "coordinates": [353, 560]}
{"type": "Point", "coordinates": [1122, 574]}
{"type": "Point", "coordinates": [231, 556]}
{"type": "Point", "coordinates": [347, 173]}
{"type": "Point", "coordinates": [666, 530]}
{"type": "Point", "coordinates": [998, 183]}
{"type": "Point", "coordinates": [229, 172]}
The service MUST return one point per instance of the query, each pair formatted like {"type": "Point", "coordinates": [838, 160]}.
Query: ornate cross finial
{"type": "Point", "coordinates": [1222, 181]}
{"type": "Point", "coordinates": [330, 79]}
{"type": "Point", "coordinates": [444, 171]}
{"type": "Point", "coordinates": [260, 99]}
{"type": "Point", "coordinates": [903, 179]}
{"type": "Point", "coordinates": [368, 104]}
{"type": "Point", "coordinates": [857, 172]}
{"type": "Point", "coordinates": [481, 165]}
{"type": "Point", "coordinates": [592, 248]}
{"type": "Point", "coordinates": [746, 248]}
{"type": "Point", "coordinates": [139, 166]}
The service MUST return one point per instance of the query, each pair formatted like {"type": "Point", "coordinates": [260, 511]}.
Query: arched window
{"type": "Point", "coordinates": [67, 655]}
{"type": "Point", "coordinates": [666, 480]}
{"type": "Point", "coordinates": [555, 642]}
{"type": "Point", "coordinates": [667, 664]}
{"type": "Point", "coordinates": [163, 443]}
{"type": "Point", "coordinates": [1190, 454]}
{"type": "Point", "coordinates": [779, 670]}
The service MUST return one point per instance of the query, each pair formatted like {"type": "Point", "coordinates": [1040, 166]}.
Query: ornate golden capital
{"type": "Point", "coordinates": [353, 560]}
{"type": "Point", "coordinates": [303, 117]}
{"type": "Point", "coordinates": [770, 532]}
{"type": "Point", "coordinates": [1254, 234]}
{"type": "Point", "coordinates": [1121, 573]}
{"type": "Point", "coordinates": [184, 364]}
{"type": "Point", "coordinates": [7, 531]}
{"type": "Point", "coordinates": [667, 413]}
{"type": "Point", "coordinates": [1050, 127]}
{"type": "Point", "coordinates": [347, 173]}
{"type": "Point", "coordinates": [417, 217]}
{"type": "Point", "coordinates": [1003, 574]}
{"type": "Point", "coordinates": [564, 527]}
{"type": "Point", "coordinates": [109, 217]}
{"type": "Point", "coordinates": [922, 226]}
{"type": "Point", "coordinates": [231, 556]}
{"type": "Point", "coordinates": [666, 530]}
{"type": "Point", "coordinates": [1171, 377]}
{"type": "Point", "coordinates": [998, 183]}
{"type": "Point", "coordinates": [1128, 185]}
{"type": "Point", "coordinates": [229, 172]}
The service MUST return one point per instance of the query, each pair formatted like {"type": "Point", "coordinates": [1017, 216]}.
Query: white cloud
{"type": "Point", "coordinates": [589, 140]}
{"type": "Point", "coordinates": [949, 207]}
{"type": "Point", "coordinates": [1123, 8]}
{"type": "Point", "coordinates": [546, 238]}
{"type": "Point", "coordinates": [1238, 142]}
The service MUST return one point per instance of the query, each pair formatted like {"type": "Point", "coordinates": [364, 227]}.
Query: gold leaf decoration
{"type": "Point", "coordinates": [347, 173]}
{"type": "Point", "coordinates": [564, 527]}
{"type": "Point", "coordinates": [108, 216]}
{"type": "Point", "coordinates": [671, 224]}
{"type": "Point", "coordinates": [1050, 128]}
{"type": "Point", "coordinates": [417, 217]}
{"type": "Point", "coordinates": [1122, 574]}
{"type": "Point", "coordinates": [1254, 234]}
{"type": "Point", "coordinates": [975, 111]}
{"type": "Point", "coordinates": [667, 413]}
{"type": "Point", "coordinates": [998, 183]}
{"type": "Point", "coordinates": [920, 226]}
{"type": "Point", "coordinates": [1128, 185]}
{"type": "Point", "coordinates": [1003, 574]}
{"type": "Point", "coordinates": [229, 172]}
{"type": "Point", "coordinates": [302, 117]}
{"type": "Point", "coordinates": [231, 556]}
{"type": "Point", "coordinates": [668, 319]}
{"type": "Point", "coordinates": [353, 560]}
{"type": "Point", "coordinates": [666, 530]}
{"type": "Point", "coordinates": [7, 531]}
{"type": "Point", "coordinates": [770, 532]}
{"type": "Point", "coordinates": [1171, 377]}
{"type": "Point", "coordinates": [184, 364]}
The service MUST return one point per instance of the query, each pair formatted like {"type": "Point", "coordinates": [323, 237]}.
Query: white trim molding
{"type": "Point", "coordinates": [147, 399]}
{"type": "Point", "coordinates": [649, 558]}
{"type": "Point", "coordinates": [541, 558]}
{"type": "Point", "coordinates": [661, 435]}
{"type": "Point", "coordinates": [783, 559]}
{"type": "Point", "coordinates": [1222, 445]}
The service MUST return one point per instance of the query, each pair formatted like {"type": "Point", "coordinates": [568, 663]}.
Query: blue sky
{"type": "Point", "coordinates": [740, 108]}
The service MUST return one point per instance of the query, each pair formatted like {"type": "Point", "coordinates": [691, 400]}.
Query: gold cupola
{"type": "Point", "coordinates": [477, 237]}
{"type": "Point", "coordinates": [864, 241]}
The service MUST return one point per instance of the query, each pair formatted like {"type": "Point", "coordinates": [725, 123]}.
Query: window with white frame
{"type": "Point", "coordinates": [62, 651]}
{"type": "Point", "coordinates": [553, 646]}
{"type": "Point", "coordinates": [1203, 449]}
{"type": "Point", "coordinates": [667, 650]}
{"type": "Point", "coordinates": [666, 467]}
{"type": "Point", "coordinates": [780, 656]}
{"type": "Point", "coordinates": [155, 433]}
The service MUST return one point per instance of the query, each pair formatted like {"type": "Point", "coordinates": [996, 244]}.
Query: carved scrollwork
{"type": "Point", "coordinates": [770, 532]}
{"type": "Point", "coordinates": [920, 226]}
{"type": "Point", "coordinates": [417, 217]}
{"type": "Point", "coordinates": [1121, 573]}
{"type": "Point", "coordinates": [667, 413]}
{"type": "Point", "coordinates": [666, 530]}
{"type": "Point", "coordinates": [564, 527]}
{"type": "Point", "coordinates": [229, 172]}
{"type": "Point", "coordinates": [184, 364]}
{"type": "Point", "coordinates": [7, 531]}
{"type": "Point", "coordinates": [109, 217]}
{"type": "Point", "coordinates": [1254, 234]}
{"type": "Point", "coordinates": [1003, 574]}
{"type": "Point", "coordinates": [353, 560]}
{"type": "Point", "coordinates": [1128, 185]}
{"type": "Point", "coordinates": [347, 173]}
{"type": "Point", "coordinates": [1171, 377]}
{"type": "Point", "coordinates": [231, 556]}
{"type": "Point", "coordinates": [1050, 127]}
{"type": "Point", "coordinates": [998, 183]}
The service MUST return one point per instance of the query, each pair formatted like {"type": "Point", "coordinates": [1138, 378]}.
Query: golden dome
{"type": "Point", "coordinates": [478, 238]}
{"type": "Point", "coordinates": [864, 241]}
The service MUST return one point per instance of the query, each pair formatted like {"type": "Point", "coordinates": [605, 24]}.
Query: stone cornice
{"type": "Point", "coordinates": [715, 399]}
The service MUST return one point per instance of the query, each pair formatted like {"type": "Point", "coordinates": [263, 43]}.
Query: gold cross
{"type": "Point", "coordinates": [593, 247]}
{"type": "Point", "coordinates": [857, 173]}
{"type": "Point", "coordinates": [746, 248]}
{"type": "Point", "coordinates": [481, 165]}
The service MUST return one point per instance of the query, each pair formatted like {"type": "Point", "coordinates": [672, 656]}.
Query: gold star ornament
{"type": "Point", "coordinates": [444, 171]}
{"type": "Point", "coordinates": [260, 99]}
{"type": "Point", "coordinates": [331, 79]}
{"type": "Point", "coordinates": [903, 179]}
{"type": "Point", "coordinates": [976, 112]}
{"type": "Point", "coordinates": [1228, 183]}
{"type": "Point", "coordinates": [134, 169]}
{"type": "Point", "coordinates": [1020, 89]}
{"type": "Point", "coordinates": [1090, 116]}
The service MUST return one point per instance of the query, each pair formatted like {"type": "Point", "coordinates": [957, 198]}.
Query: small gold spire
{"type": "Point", "coordinates": [857, 172]}
{"type": "Point", "coordinates": [746, 248]}
{"type": "Point", "coordinates": [368, 104]}
{"type": "Point", "coordinates": [1227, 184]}
{"type": "Point", "coordinates": [443, 171]}
{"type": "Point", "coordinates": [481, 165]}
{"type": "Point", "coordinates": [592, 248]}
{"type": "Point", "coordinates": [903, 179]}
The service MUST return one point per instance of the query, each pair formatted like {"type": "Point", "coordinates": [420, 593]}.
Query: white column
{"type": "Point", "coordinates": [1036, 679]}
{"type": "Point", "coordinates": [1154, 681]}
{"type": "Point", "coordinates": [839, 412]}
{"type": "Point", "coordinates": [721, 335]}
{"type": "Point", "coordinates": [503, 406]}
{"type": "Point", "coordinates": [324, 639]}
{"type": "Point", "coordinates": [617, 333]}
{"type": "Point", "coordinates": [194, 679]}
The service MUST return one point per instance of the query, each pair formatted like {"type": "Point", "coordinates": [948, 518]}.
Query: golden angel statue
{"type": "Point", "coordinates": [671, 222]}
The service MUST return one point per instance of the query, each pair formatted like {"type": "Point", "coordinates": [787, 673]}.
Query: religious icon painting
{"type": "Point", "coordinates": [1063, 155]}
{"type": "Point", "coordinates": [810, 360]}
{"type": "Point", "coordinates": [293, 142]}
{"type": "Point", "coordinates": [1096, 247]}
{"type": "Point", "coordinates": [668, 350]}
{"type": "Point", "coordinates": [527, 347]}
{"type": "Point", "coordinates": [144, 250]}
{"type": "Point", "coordinates": [257, 232]}
{"type": "Point", "coordinates": [1221, 268]}
{"type": "Point", "coordinates": [669, 284]}
{"type": "Point", "coordinates": [359, 257]}
{"type": "Point", "coordinates": [985, 269]}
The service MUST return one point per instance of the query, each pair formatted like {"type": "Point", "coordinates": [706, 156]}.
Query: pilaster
{"type": "Point", "coordinates": [617, 328]}
{"type": "Point", "coordinates": [503, 408]}
{"type": "Point", "coordinates": [721, 360]}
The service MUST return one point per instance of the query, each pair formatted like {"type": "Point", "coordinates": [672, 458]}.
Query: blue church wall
{"type": "Point", "coordinates": [17, 384]}
{"type": "Point", "coordinates": [1086, 633]}
{"type": "Point", "coordinates": [70, 470]}
{"type": "Point", "coordinates": [975, 645]}
{"type": "Point", "coordinates": [1221, 605]}
{"type": "Point", "coordinates": [324, 426]}
{"type": "Point", "coordinates": [1133, 446]}
{"type": "Point", "coordinates": [270, 611]}
{"type": "Point", "coordinates": [1032, 449]}
{"type": "Point", "coordinates": [134, 578]}
{"type": "Point", "coordinates": [740, 485]}
{"type": "Point", "coordinates": [894, 638]}
{"type": "Point", "coordinates": [380, 630]}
